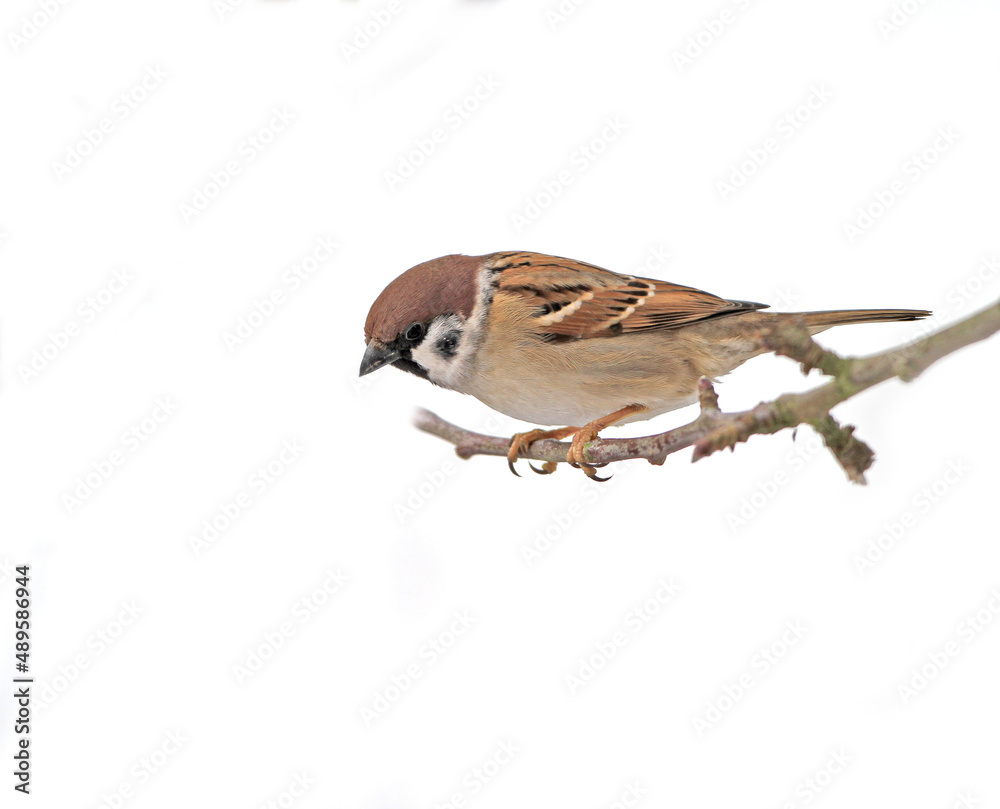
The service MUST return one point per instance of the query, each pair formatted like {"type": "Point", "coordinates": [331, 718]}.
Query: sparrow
{"type": "Point", "coordinates": [555, 341]}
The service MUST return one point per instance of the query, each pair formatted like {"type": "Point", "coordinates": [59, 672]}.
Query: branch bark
{"type": "Point", "coordinates": [714, 429]}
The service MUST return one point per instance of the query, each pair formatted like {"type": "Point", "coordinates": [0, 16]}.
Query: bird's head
{"type": "Point", "coordinates": [426, 321]}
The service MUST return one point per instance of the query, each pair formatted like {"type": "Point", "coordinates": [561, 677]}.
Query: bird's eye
{"type": "Point", "coordinates": [414, 332]}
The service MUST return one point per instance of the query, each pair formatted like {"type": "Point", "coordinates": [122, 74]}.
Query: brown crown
{"type": "Point", "coordinates": [445, 285]}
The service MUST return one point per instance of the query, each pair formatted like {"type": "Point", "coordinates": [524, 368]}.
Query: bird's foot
{"type": "Point", "coordinates": [520, 442]}
{"type": "Point", "coordinates": [581, 437]}
{"type": "Point", "coordinates": [575, 455]}
{"type": "Point", "coordinates": [589, 432]}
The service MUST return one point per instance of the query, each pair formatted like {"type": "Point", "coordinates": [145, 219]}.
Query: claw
{"type": "Point", "coordinates": [547, 468]}
{"type": "Point", "coordinates": [590, 473]}
{"type": "Point", "coordinates": [515, 448]}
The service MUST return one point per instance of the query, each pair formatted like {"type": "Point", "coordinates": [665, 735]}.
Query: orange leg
{"type": "Point", "coordinates": [581, 437]}
{"type": "Point", "coordinates": [525, 439]}
{"type": "Point", "coordinates": [589, 432]}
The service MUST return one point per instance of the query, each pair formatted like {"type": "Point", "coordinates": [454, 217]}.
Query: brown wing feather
{"type": "Point", "coordinates": [576, 299]}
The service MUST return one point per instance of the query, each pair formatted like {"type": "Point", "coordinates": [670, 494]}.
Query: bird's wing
{"type": "Point", "coordinates": [575, 299]}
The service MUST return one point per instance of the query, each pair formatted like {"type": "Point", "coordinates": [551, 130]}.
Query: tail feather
{"type": "Point", "coordinates": [841, 317]}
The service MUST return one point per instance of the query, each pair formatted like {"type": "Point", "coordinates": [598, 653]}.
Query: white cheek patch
{"type": "Point", "coordinates": [444, 364]}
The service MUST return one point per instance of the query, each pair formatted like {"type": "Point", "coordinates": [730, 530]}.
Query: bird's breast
{"type": "Point", "coordinates": [576, 381]}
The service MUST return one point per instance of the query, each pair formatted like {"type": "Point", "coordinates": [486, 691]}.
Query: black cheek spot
{"type": "Point", "coordinates": [447, 346]}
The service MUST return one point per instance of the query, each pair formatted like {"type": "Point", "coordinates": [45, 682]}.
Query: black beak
{"type": "Point", "coordinates": [376, 356]}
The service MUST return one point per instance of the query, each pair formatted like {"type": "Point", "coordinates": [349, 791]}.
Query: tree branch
{"type": "Point", "coordinates": [713, 429]}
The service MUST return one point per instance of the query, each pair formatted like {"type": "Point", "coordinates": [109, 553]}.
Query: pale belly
{"type": "Point", "coordinates": [575, 383]}
{"type": "Point", "coordinates": [556, 410]}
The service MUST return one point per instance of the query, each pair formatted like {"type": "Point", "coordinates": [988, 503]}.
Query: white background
{"type": "Point", "coordinates": [754, 541]}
